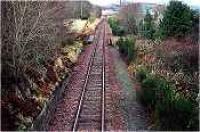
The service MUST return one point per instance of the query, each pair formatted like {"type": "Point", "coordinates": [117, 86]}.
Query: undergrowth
{"type": "Point", "coordinates": [127, 47]}
{"type": "Point", "coordinates": [117, 29]}
{"type": "Point", "coordinates": [171, 110]}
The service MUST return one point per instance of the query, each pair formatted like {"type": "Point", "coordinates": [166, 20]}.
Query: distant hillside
{"type": "Point", "coordinates": [84, 9]}
{"type": "Point", "coordinates": [143, 7]}
{"type": "Point", "coordinates": [195, 7]}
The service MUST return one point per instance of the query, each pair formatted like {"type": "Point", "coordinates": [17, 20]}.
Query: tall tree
{"type": "Point", "coordinates": [148, 26]}
{"type": "Point", "coordinates": [177, 20]}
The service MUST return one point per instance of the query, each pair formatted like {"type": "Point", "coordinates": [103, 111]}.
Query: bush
{"type": "Point", "coordinates": [147, 27]}
{"type": "Point", "coordinates": [177, 20]}
{"type": "Point", "coordinates": [172, 111]}
{"type": "Point", "coordinates": [180, 55]}
{"type": "Point", "coordinates": [115, 26]}
{"type": "Point", "coordinates": [179, 110]}
{"type": "Point", "coordinates": [148, 97]}
{"type": "Point", "coordinates": [141, 74]}
{"type": "Point", "coordinates": [119, 31]}
{"type": "Point", "coordinates": [127, 47]}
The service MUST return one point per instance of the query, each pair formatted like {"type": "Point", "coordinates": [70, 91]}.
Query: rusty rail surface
{"type": "Point", "coordinates": [90, 114]}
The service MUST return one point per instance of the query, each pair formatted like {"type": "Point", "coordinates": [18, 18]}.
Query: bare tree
{"type": "Point", "coordinates": [31, 32]}
{"type": "Point", "coordinates": [30, 38]}
{"type": "Point", "coordinates": [128, 16]}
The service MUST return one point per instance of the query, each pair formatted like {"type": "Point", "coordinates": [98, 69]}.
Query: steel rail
{"type": "Point", "coordinates": [103, 87]}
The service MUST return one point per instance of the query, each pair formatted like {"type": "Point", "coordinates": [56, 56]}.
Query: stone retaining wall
{"type": "Point", "coordinates": [41, 123]}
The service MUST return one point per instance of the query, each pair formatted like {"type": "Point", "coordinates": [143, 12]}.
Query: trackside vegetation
{"type": "Point", "coordinates": [162, 56]}
{"type": "Point", "coordinates": [127, 47]}
{"type": "Point", "coordinates": [171, 110]}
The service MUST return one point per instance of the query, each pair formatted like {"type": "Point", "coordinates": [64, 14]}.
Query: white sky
{"type": "Point", "coordinates": [108, 2]}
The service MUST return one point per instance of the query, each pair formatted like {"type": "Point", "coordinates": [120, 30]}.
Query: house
{"type": "Point", "coordinates": [139, 10]}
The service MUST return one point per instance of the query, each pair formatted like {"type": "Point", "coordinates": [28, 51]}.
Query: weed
{"type": "Point", "coordinates": [127, 47]}
{"type": "Point", "coordinates": [172, 111]}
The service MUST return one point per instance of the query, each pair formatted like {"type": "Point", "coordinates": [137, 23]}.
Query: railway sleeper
{"type": "Point", "coordinates": [89, 126]}
{"type": "Point", "coordinates": [88, 98]}
{"type": "Point", "coordinates": [90, 108]}
{"type": "Point", "coordinates": [94, 83]}
{"type": "Point", "coordinates": [96, 71]}
{"type": "Point", "coordinates": [90, 118]}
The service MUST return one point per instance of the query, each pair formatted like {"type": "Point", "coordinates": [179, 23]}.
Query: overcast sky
{"type": "Point", "coordinates": [108, 2]}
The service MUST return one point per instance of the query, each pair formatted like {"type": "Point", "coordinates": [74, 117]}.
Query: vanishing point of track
{"type": "Point", "coordinates": [90, 114]}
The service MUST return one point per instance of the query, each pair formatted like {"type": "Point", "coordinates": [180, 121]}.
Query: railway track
{"type": "Point", "coordinates": [90, 114]}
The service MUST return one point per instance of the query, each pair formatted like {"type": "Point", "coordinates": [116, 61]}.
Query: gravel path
{"type": "Point", "coordinates": [134, 114]}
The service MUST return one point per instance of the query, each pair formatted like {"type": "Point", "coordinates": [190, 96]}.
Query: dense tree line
{"type": "Point", "coordinates": [178, 21]}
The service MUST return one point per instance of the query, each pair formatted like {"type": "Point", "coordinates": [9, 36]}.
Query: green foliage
{"type": "Point", "coordinates": [140, 27]}
{"type": "Point", "coordinates": [147, 27]}
{"type": "Point", "coordinates": [172, 111]}
{"type": "Point", "coordinates": [141, 74]}
{"type": "Point", "coordinates": [179, 110]}
{"type": "Point", "coordinates": [158, 35]}
{"type": "Point", "coordinates": [149, 91]}
{"type": "Point", "coordinates": [40, 59]}
{"type": "Point", "coordinates": [127, 47]}
{"type": "Point", "coordinates": [115, 26]}
{"type": "Point", "coordinates": [177, 20]}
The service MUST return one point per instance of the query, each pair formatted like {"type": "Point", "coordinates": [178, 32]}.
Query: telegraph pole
{"type": "Point", "coordinates": [81, 10]}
